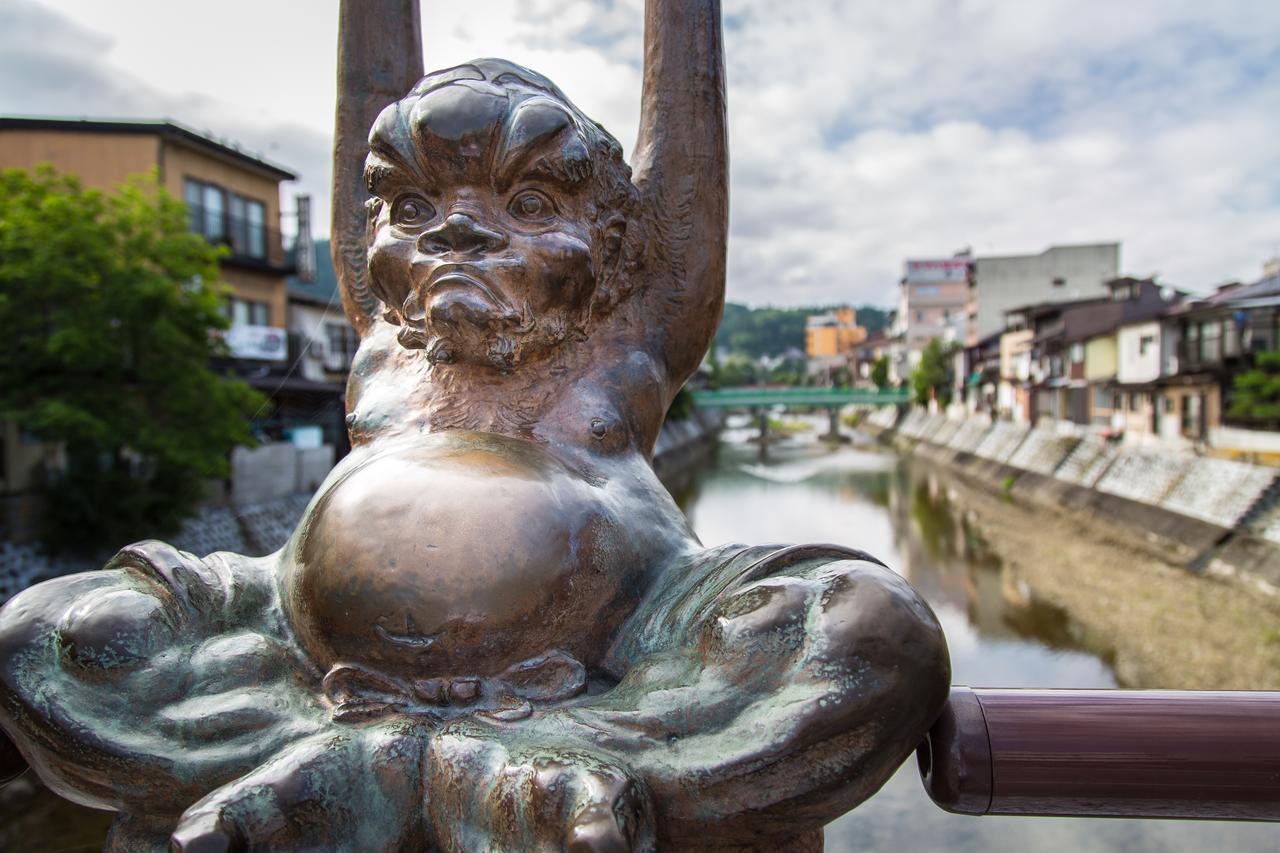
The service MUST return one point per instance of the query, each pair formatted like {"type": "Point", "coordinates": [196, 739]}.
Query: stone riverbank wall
{"type": "Point", "coordinates": [1207, 514]}
{"type": "Point", "coordinates": [261, 522]}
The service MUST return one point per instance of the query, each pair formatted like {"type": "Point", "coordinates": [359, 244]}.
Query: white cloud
{"type": "Point", "coordinates": [861, 132]}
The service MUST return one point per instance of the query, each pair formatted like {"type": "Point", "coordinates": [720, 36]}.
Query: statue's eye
{"type": "Point", "coordinates": [412, 210]}
{"type": "Point", "coordinates": [531, 206]}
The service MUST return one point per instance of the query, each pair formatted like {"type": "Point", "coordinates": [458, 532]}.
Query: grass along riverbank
{"type": "Point", "coordinates": [1160, 625]}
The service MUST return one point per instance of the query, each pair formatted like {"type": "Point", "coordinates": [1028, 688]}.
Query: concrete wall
{"type": "Point", "coordinates": [1217, 491]}
{"type": "Point", "coordinates": [1184, 505]}
{"type": "Point", "coordinates": [276, 470]}
{"type": "Point", "coordinates": [1009, 282]}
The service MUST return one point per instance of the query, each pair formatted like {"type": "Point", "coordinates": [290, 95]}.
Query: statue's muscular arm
{"type": "Point", "coordinates": [681, 168]}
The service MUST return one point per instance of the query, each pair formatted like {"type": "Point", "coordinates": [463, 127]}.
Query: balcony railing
{"type": "Point", "coordinates": [1205, 352]}
{"type": "Point", "coordinates": [252, 243]}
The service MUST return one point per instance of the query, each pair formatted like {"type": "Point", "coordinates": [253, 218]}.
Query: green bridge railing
{"type": "Point", "coordinates": [738, 398]}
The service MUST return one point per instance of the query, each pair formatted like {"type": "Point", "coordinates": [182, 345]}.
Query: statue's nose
{"type": "Point", "coordinates": [460, 232]}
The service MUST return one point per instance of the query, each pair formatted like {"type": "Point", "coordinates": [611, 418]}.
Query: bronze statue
{"type": "Point", "coordinates": [493, 629]}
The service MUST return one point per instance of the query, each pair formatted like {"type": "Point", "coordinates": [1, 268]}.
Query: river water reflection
{"type": "Point", "coordinates": [998, 634]}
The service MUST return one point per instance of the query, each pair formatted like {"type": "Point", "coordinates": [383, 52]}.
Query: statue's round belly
{"type": "Point", "coordinates": [459, 555]}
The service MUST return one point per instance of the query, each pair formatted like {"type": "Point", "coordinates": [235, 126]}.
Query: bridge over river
{"type": "Point", "coordinates": [753, 397]}
{"type": "Point", "coordinates": [761, 399]}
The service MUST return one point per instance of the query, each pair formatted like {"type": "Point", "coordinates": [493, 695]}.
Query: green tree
{"type": "Point", "coordinates": [108, 307]}
{"type": "Point", "coordinates": [789, 371]}
{"type": "Point", "coordinates": [713, 367]}
{"type": "Point", "coordinates": [736, 370]}
{"type": "Point", "coordinates": [880, 372]}
{"type": "Point", "coordinates": [931, 378]}
{"type": "Point", "coordinates": [1255, 394]}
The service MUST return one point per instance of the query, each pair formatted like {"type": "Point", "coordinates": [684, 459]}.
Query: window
{"type": "Point", "coordinates": [256, 218]}
{"type": "Point", "coordinates": [1077, 353]}
{"type": "Point", "coordinates": [1103, 398]}
{"type": "Point", "coordinates": [247, 312]}
{"type": "Point", "coordinates": [1230, 338]}
{"type": "Point", "coordinates": [342, 343]}
{"type": "Point", "coordinates": [225, 217]}
{"type": "Point", "coordinates": [1059, 281]}
{"type": "Point", "coordinates": [1210, 340]}
{"type": "Point", "coordinates": [206, 205]}
{"type": "Point", "coordinates": [1145, 343]}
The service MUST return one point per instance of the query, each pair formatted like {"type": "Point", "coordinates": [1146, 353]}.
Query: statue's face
{"type": "Point", "coordinates": [484, 247]}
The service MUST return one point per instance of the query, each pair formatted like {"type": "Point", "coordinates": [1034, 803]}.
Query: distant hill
{"type": "Point", "coordinates": [772, 331]}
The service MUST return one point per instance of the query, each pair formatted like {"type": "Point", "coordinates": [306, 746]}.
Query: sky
{"type": "Point", "coordinates": [862, 132]}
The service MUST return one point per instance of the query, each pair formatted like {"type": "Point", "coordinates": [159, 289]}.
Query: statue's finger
{"type": "Point", "coordinates": [597, 829]}
{"type": "Point", "coordinates": [204, 832]}
{"type": "Point", "coordinates": [292, 801]}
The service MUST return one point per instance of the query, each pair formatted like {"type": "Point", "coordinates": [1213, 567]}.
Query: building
{"type": "Point", "coordinates": [831, 341]}
{"type": "Point", "coordinates": [1211, 340]}
{"type": "Point", "coordinates": [833, 334]}
{"type": "Point", "coordinates": [867, 353]}
{"type": "Point", "coordinates": [980, 376]}
{"type": "Point", "coordinates": [932, 296]}
{"type": "Point", "coordinates": [932, 301]}
{"type": "Point", "coordinates": [234, 200]}
{"type": "Point", "coordinates": [1065, 383]}
{"type": "Point", "coordinates": [1058, 274]}
{"type": "Point", "coordinates": [322, 344]}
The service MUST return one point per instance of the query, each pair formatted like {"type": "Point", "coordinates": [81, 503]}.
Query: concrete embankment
{"type": "Point", "coordinates": [257, 527]}
{"type": "Point", "coordinates": [1204, 514]}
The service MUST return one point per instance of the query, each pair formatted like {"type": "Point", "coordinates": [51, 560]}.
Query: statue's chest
{"type": "Point", "coordinates": [462, 554]}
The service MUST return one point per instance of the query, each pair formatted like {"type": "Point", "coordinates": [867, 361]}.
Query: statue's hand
{"type": "Point", "coordinates": [357, 789]}
{"type": "Point", "coordinates": [144, 686]}
{"type": "Point", "coordinates": [515, 787]}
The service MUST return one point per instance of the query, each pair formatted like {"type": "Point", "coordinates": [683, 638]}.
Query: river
{"type": "Point", "coordinates": [900, 511]}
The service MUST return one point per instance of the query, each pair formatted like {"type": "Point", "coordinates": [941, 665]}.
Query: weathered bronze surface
{"type": "Point", "coordinates": [493, 628]}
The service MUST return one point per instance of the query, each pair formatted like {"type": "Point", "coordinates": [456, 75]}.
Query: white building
{"type": "Point", "coordinates": [1058, 274]}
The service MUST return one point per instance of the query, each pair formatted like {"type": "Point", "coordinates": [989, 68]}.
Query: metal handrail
{"type": "Point", "coordinates": [1106, 753]}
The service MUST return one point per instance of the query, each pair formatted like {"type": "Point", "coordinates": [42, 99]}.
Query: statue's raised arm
{"type": "Point", "coordinates": [681, 167]}
{"type": "Point", "coordinates": [379, 59]}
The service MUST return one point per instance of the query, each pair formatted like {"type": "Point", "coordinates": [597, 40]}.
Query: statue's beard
{"type": "Point", "coordinates": [502, 341]}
